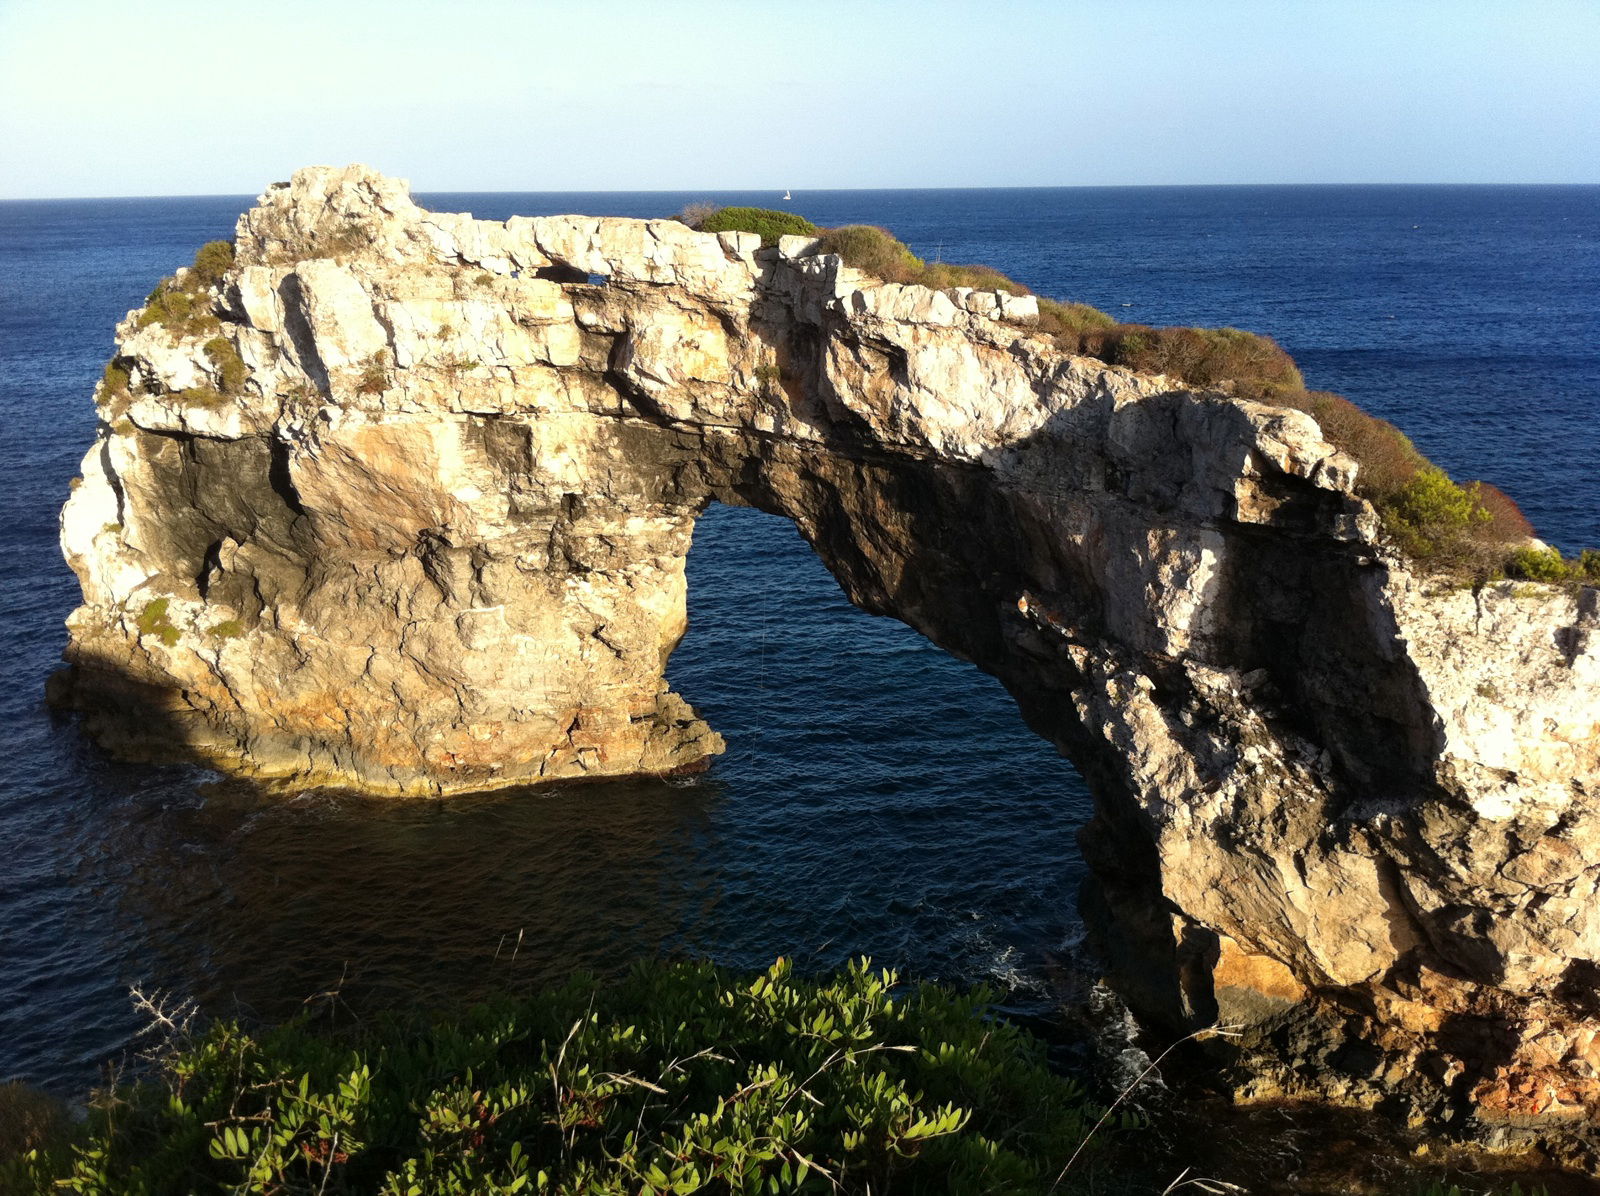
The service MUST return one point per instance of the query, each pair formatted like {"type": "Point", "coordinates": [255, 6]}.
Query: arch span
{"type": "Point", "coordinates": [434, 540]}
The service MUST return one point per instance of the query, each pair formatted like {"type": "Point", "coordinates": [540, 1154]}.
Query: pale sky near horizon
{"type": "Point", "coordinates": [170, 97]}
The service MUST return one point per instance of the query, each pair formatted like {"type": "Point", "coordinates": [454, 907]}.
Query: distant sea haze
{"type": "Point", "coordinates": [877, 797]}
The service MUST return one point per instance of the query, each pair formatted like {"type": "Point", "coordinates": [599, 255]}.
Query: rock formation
{"type": "Point", "coordinates": [432, 538]}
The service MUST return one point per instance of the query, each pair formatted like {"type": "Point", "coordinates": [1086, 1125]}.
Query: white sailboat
{"type": "Point", "coordinates": [786, 195]}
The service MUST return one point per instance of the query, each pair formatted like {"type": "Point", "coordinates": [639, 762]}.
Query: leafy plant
{"type": "Point", "coordinates": [454, 365]}
{"type": "Point", "coordinates": [1213, 357]}
{"type": "Point", "coordinates": [1547, 564]}
{"type": "Point", "coordinates": [1432, 518]}
{"type": "Point", "coordinates": [680, 1079]}
{"type": "Point", "coordinates": [374, 376]}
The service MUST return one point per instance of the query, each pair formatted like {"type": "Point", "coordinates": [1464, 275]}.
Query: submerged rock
{"type": "Point", "coordinates": [435, 542]}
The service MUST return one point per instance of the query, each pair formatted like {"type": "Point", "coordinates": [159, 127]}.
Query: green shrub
{"type": "Point", "coordinates": [113, 382]}
{"type": "Point", "coordinates": [875, 250]}
{"type": "Point", "coordinates": [374, 377]}
{"type": "Point", "coordinates": [176, 306]}
{"type": "Point", "coordinates": [680, 1079]}
{"type": "Point", "coordinates": [231, 368]}
{"type": "Point", "coordinates": [1538, 564]}
{"type": "Point", "coordinates": [153, 620]}
{"type": "Point", "coordinates": [180, 304]}
{"type": "Point", "coordinates": [170, 309]}
{"type": "Point", "coordinates": [1433, 519]}
{"type": "Point", "coordinates": [943, 276]}
{"type": "Point", "coordinates": [212, 260]}
{"type": "Point", "coordinates": [1250, 364]}
{"type": "Point", "coordinates": [1547, 564]}
{"type": "Point", "coordinates": [1073, 326]}
{"type": "Point", "coordinates": [769, 223]}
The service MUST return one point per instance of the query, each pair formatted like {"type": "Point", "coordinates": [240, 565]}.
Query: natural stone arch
{"type": "Point", "coordinates": [436, 542]}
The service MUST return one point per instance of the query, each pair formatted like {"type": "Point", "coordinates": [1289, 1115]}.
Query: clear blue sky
{"type": "Point", "coordinates": [112, 97]}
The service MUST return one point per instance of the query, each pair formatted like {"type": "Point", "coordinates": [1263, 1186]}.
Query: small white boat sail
{"type": "Point", "coordinates": [786, 194]}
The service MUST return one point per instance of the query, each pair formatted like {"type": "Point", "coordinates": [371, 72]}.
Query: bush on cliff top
{"type": "Point", "coordinates": [212, 260]}
{"type": "Point", "coordinates": [1433, 520]}
{"type": "Point", "coordinates": [769, 223]}
{"type": "Point", "coordinates": [179, 303]}
{"type": "Point", "coordinates": [680, 1079]}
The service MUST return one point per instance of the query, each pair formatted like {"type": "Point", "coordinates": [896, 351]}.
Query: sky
{"type": "Point", "coordinates": [208, 97]}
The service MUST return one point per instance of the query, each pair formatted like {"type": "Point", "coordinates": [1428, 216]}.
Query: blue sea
{"type": "Point", "coordinates": [877, 797]}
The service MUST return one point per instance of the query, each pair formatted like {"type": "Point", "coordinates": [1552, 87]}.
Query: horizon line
{"type": "Point", "coordinates": [810, 190]}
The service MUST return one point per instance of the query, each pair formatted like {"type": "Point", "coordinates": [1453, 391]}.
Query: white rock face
{"type": "Point", "coordinates": [436, 542]}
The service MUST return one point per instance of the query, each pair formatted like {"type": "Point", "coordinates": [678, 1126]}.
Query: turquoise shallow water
{"type": "Point", "coordinates": [877, 796]}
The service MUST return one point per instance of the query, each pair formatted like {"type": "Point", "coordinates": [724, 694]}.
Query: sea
{"type": "Point", "coordinates": [877, 797]}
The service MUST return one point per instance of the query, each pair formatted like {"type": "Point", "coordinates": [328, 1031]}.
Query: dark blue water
{"type": "Point", "coordinates": [877, 796]}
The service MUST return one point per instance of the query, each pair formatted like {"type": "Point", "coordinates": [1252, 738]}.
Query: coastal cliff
{"type": "Point", "coordinates": [402, 500]}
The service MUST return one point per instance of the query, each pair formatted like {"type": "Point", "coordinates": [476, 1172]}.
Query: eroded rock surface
{"type": "Point", "coordinates": [436, 542]}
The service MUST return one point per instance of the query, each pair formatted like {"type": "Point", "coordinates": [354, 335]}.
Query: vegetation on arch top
{"type": "Point", "coordinates": [1471, 529]}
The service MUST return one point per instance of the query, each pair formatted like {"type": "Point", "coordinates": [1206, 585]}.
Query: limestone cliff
{"type": "Point", "coordinates": [432, 538]}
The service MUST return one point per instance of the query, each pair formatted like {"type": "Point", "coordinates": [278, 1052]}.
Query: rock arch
{"type": "Point", "coordinates": [436, 542]}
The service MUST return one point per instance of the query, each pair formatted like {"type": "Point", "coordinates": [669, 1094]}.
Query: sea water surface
{"type": "Point", "coordinates": [877, 796]}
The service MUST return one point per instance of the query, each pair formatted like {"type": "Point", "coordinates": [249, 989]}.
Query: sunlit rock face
{"type": "Point", "coordinates": [435, 542]}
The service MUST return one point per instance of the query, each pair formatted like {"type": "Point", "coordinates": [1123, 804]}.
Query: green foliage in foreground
{"type": "Point", "coordinates": [680, 1079]}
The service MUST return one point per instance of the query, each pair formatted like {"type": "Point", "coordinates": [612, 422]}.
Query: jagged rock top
{"type": "Point", "coordinates": [413, 310]}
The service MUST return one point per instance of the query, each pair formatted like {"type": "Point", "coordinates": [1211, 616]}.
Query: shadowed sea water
{"type": "Point", "coordinates": [877, 797]}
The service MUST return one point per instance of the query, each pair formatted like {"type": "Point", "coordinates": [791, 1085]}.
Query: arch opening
{"type": "Point", "coordinates": [886, 795]}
